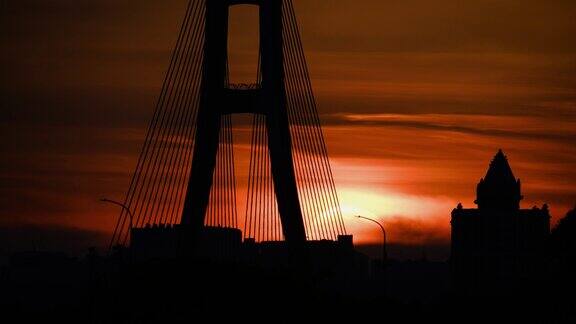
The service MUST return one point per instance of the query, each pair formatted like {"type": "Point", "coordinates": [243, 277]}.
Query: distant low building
{"type": "Point", "coordinates": [223, 244]}
{"type": "Point", "coordinates": [169, 241]}
{"type": "Point", "coordinates": [498, 241]}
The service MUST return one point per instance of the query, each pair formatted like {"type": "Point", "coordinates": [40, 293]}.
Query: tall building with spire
{"type": "Point", "coordinates": [498, 240]}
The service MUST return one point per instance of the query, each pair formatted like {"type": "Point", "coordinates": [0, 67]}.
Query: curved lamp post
{"type": "Point", "coordinates": [384, 254]}
{"type": "Point", "coordinates": [124, 207]}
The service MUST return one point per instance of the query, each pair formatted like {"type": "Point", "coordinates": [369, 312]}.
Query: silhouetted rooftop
{"type": "Point", "coordinates": [499, 170]}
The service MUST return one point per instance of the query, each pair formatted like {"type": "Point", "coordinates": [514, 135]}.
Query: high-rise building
{"type": "Point", "coordinates": [498, 241]}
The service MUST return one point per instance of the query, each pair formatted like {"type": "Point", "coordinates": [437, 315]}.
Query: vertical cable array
{"type": "Point", "coordinates": [221, 211]}
{"type": "Point", "coordinates": [317, 190]}
{"type": "Point", "coordinates": [158, 186]}
{"type": "Point", "coordinates": [262, 220]}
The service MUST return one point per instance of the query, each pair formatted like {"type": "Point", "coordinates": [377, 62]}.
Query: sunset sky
{"type": "Point", "coordinates": [415, 96]}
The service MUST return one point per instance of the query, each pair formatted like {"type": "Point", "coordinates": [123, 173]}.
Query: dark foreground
{"type": "Point", "coordinates": [52, 288]}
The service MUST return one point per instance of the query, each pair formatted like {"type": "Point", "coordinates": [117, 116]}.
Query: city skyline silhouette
{"type": "Point", "coordinates": [287, 160]}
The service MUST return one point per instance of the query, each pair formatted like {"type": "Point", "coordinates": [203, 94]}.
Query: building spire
{"type": "Point", "coordinates": [499, 189]}
{"type": "Point", "coordinates": [500, 170]}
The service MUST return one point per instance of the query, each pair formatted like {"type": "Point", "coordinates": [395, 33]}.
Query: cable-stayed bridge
{"type": "Point", "coordinates": [185, 173]}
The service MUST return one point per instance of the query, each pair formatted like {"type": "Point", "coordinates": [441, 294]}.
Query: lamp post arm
{"type": "Point", "coordinates": [121, 205]}
{"type": "Point", "coordinates": [124, 207]}
{"type": "Point", "coordinates": [384, 253]}
{"type": "Point", "coordinates": [374, 221]}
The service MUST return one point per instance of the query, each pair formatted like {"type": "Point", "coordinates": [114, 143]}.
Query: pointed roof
{"type": "Point", "coordinates": [499, 170]}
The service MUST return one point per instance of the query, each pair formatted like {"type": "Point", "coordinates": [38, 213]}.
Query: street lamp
{"type": "Point", "coordinates": [384, 255]}
{"type": "Point", "coordinates": [123, 207]}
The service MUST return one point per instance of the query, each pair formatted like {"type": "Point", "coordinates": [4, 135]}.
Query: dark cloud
{"type": "Point", "coordinates": [566, 138]}
{"type": "Point", "coordinates": [413, 230]}
{"type": "Point", "coordinates": [77, 107]}
{"type": "Point", "coordinates": [438, 26]}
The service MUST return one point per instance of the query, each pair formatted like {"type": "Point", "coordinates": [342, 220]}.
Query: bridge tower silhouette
{"type": "Point", "coordinates": [267, 98]}
{"type": "Point", "coordinates": [185, 174]}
